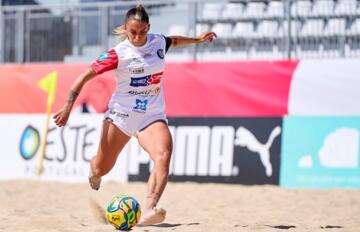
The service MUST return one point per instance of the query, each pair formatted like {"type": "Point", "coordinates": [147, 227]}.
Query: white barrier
{"type": "Point", "coordinates": [205, 150]}
{"type": "Point", "coordinates": [69, 149]}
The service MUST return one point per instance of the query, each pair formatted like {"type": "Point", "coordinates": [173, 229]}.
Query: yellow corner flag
{"type": "Point", "coordinates": [47, 84]}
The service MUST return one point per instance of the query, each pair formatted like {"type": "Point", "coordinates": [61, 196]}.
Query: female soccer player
{"type": "Point", "coordinates": [136, 108]}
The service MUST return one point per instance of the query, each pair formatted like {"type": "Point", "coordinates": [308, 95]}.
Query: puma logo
{"type": "Point", "coordinates": [245, 138]}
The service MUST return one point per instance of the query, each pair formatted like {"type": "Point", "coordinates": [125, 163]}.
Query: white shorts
{"type": "Point", "coordinates": [131, 123]}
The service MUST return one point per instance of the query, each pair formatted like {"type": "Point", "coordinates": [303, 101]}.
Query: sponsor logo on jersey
{"type": "Point", "coordinates": [119, 114]}
{"type": "Point", "coordinates": [146, 80]}
{"type": "Point", "coordinates": [136, 70]}
{"type": "Point", "coordinates": [141, 105]}
{"type": "Point", "coordinates": [136, 61]}
{"type": "Point", "coordinates": [147, 55]}
{"type": "Point", "coordinates": [145, 93]}
{"type": "Point", "coordinates": [160, 53]}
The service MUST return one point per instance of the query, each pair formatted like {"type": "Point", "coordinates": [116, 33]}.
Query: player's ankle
{"type": "Point", "coordinates": [152, 200]}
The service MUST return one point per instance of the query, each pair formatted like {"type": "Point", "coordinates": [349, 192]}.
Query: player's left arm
{"type": "Point", "coordinates": [182, 41]}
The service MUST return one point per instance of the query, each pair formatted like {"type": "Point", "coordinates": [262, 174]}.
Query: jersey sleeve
{"type": "Point", "coordinates": [106, 62]}
{"type": "Point", "coordinates": [168, 42]}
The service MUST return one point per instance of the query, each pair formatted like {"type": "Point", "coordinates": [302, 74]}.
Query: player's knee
{"type": "Point", "coordinates": [163, 159]}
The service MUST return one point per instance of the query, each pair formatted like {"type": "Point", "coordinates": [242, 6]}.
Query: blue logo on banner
{"type": "Point", "coordinates": [141, 105]}
{"type": "Point", "coordinates": [320, 152]}
{"type": "Point", "coordinates": [29, 142]}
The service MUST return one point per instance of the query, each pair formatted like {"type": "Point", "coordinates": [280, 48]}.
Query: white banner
{"type": "Point", "coordinates": [325, 87]}
{"type": "Point", "coordinates": [68, 152]}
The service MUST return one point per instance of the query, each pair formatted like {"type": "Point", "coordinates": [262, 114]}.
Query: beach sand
{"type": "Point", "coordinates": [30, 206]}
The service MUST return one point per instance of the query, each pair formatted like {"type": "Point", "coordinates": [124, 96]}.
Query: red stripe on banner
{"type": "Point", "coordinates": [20, 93]}
{"type": "Point", "coordinates": [217, 89]}
{"type": "Point", "coordinates": [254, 88]}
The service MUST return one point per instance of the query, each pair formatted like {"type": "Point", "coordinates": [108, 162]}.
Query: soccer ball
{"type": "Point", "coordinates": [123, 212]}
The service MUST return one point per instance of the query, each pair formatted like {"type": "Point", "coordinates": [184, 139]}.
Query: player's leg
{"type": "Point", "coordinates": [112, 141]}
{"type": "Point", "coordinates": [156, 140]}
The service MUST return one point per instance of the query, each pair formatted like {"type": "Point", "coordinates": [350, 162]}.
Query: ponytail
{"type": "Point", "coordinates": [120, 32]}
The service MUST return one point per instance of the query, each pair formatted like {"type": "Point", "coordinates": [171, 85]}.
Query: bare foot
{"type": "Point", "coordinates": [94, 181]}
{"type": "Point", "coordinates": [152, 216]}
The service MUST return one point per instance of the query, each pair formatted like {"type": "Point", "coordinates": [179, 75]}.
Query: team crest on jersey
{"type": "Point", "coordinates": [141, 106]}
{"type": "Point", "coordinates": [160, 53]}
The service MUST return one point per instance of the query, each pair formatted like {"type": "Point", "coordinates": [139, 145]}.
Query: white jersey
{"type": "Point", "coordinates": [138, 72]}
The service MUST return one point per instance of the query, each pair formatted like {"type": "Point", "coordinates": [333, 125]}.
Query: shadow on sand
{"type": "Point", "coordinates": [286, 227]}
{"type": "Point", "coordinates": [168, 225]}
{"type": "Point", "coordinates": [282, 227]}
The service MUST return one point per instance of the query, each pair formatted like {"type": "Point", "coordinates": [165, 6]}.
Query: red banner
{"type": "Point", "coordinates": [215, 89]}
{"type": "Point", "coordinates": [228, 89]}
{"type": "Point", "coordinates": [20, 93]}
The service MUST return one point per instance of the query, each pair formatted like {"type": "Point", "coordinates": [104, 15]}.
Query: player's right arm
{"type": "Point", "coordinates": [106, 62]}
{"type": "Point", "coordinates": [62, 116]}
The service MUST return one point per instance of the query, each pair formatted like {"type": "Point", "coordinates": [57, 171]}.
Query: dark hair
{"type": "Point", "coordinates": [136, 13]}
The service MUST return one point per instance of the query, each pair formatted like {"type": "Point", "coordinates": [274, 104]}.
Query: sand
{"type": "Point", "coordinates": [51, 206]}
